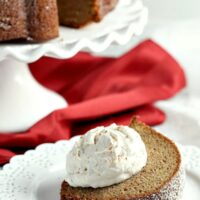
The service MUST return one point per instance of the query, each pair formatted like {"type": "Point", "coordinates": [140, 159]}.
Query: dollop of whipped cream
{"type": "Point", "coordinates": [105, 156]}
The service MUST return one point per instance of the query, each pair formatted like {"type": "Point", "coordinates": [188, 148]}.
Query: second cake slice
{"type": "Point", "coordinates": [81, 12]}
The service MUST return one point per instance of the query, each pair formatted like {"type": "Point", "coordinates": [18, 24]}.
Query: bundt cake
{"type": "Point", "coordinates": [80, 12]}
{"type": "Point", "coordinates": [34, 20]}
{"type": "Point", "coordinates": [37, 20]}
{"type": "Point", "coordinates": [162, 177]}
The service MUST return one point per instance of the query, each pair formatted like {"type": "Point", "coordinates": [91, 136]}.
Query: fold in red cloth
{"type": "Point", "coordinates": [100, 91]}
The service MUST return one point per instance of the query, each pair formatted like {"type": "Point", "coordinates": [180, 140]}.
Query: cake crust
{"type": "Point", "coordinates": [12, 20]}
{"type": "Point", "coordinates": [169, 188]}
{"type": "Point", "coordinates": [42, 18]}
{"type": "Point", "coordinates": [28, 20]}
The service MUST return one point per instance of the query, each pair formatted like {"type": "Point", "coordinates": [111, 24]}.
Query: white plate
{"type": "Point", "coordinates": [128, 19]}
{"type": "Point", "coordinates": [38, 174]}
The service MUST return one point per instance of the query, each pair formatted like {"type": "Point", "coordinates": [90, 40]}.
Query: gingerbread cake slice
{"type": "Point", "coordinates": [81, 12]}
{"type": "Point", "coordinates": [162, 178]}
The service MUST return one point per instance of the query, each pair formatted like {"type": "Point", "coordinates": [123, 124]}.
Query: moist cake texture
{"type": "Point", "coordinates": [81, 12]}
{"type": "Point", "coordinates": [161, 179]}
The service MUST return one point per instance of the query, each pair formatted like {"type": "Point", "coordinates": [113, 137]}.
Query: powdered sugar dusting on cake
{"type": "Point", "coordinates": [5, 23]}
{"type": "Point", "coordinates": [47, 7]}
{"type": "Point", "coordinates": [173, 190]}
{"type": "Point", "coordinates": [4, 20]}
{"type": "Point", "coordinates": [5, 26]}
{"type": "Point", "coordinates": [32, 20]}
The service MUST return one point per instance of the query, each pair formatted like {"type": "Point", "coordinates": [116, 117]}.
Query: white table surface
{"type": "Point", "coordinates": [175, 25]}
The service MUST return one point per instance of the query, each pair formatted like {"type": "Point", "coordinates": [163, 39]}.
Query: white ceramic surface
{"type": "Point", "coordinates": [128, 19]}
{"type": "Point", "coordinates": [38, 174]}
{"type": "Point", "coordinates": [23, 101]}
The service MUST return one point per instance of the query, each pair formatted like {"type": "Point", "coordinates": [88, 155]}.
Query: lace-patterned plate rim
{"type": "Point", "coordinates": [93, 38]}
{"type": "Point", "coordinates": [47, 159]}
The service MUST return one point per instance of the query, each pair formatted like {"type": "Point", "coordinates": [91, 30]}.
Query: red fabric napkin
{"type": "Point", "coordinates": [100, 91]}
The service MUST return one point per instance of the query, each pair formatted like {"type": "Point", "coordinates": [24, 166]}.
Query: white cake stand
{"type": "Point", "coordinates": [23, 101]}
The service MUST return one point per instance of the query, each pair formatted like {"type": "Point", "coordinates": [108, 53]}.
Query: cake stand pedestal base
{"type": "Point", "coordinates": [23, 101]}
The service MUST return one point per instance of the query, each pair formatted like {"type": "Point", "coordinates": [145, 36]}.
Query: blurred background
{"type": "Point", "coordinates": [175, 25]}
